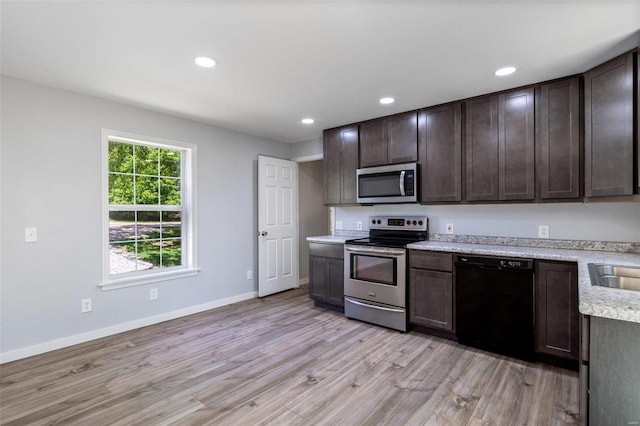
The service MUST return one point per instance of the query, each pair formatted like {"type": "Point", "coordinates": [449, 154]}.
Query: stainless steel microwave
{"type": "Point", "coordinates": [388, 184]}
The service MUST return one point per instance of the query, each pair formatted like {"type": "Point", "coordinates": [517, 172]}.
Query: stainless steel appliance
{"type": "Point", "coordinates": [494, 304]}
{"type": "Point", "coordinates": [375, 270]}
{"type": "Point", "coordinates": [388, 184]}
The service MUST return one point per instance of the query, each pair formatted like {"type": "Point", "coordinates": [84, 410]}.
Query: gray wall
{"type": "Point", "coordinates": [314, 215]}
{"type": "Point", "coordinates": [51, 179]}
{"type": "Point", "coordinates": [306, 148]}
{"type": "Point", "coordinates": [567, 221]}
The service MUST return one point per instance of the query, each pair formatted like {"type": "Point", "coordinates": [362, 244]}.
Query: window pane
{"type": "Point", "coordinates": [120, 157]}
{"type": "Point", "coordinates": [172, 252]}
{"type": "Point", "coordinates": [146, 160]}
{"type": "Point", "coordinates": [148, 225]}
{"type": "Point", "coordinates": [122, 258]}
{"type": "Point", "coordinates": [122, 226]}
{"type": "Point", "coordinates": [171, 225]}
{"type": "Point", "coordinates": [146, 190]}
{"type": "Point", "coordinates": [169, 163]}
{"type": "Point", "coordinates": [120, 189]}
{"type": "Point", "coordinates": [148, 254]}
{"type": "Point", "coordinates": [169, 192]}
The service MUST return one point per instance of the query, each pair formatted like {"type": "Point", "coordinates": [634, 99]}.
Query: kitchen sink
{"type": "Point", "coordinates": [615, 276]}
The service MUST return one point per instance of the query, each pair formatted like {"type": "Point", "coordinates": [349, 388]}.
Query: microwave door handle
{"type": "Point", "coordinates": [402, 183]}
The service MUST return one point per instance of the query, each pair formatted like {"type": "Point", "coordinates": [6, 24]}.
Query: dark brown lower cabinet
{"type": "Point", "coordinates": [326, 273]}
{"type": "Point", "coordinates": [557, 316]}
{"type": "Point", "coordinates": [431, 291]}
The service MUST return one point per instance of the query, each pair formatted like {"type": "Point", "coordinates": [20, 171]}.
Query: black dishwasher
{"type": "Point", "coordinates": [494, 304]}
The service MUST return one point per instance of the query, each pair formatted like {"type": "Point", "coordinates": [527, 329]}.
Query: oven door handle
{"type": "Point", "coordinates": [366, 305]}
{"type": "Point", "coordinates": [377, 250]}
{"type": "Point", "coordinates": [402, 173]}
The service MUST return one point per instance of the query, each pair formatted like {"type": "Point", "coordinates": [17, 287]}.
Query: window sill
{"type": "Point", "coordinates": [113, 284]}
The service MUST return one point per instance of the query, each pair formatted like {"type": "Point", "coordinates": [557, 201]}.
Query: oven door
{"type": "Point", "coordinates": [377, 274]}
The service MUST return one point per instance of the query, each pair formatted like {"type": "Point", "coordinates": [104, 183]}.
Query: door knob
{"type": "Point", "coordinates": [263, 233]}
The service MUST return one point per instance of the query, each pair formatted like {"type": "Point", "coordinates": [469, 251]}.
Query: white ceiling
{"type": "Point", "coordinates": [281, 61]}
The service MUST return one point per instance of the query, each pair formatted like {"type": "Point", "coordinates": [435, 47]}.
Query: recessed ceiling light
{"type": "Point", "coordinates": [385, 101]}
{"type": "Point", "coordinates": [505, 71]}
{"type": "Point", "coordinates": [205, 62]}
{"type": "Point", "coordinates": [308, 121]}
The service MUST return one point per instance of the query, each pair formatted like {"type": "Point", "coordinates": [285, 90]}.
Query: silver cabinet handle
{"type": "Point", "coordinates": [402, 183]}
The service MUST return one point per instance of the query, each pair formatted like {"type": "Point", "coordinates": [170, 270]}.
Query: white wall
{"type": "Point", "coordinates": [51, 179]}
{"type": "Point", "coordinates": [567, 221]}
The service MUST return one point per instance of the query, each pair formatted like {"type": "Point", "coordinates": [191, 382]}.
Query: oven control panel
{"type": "Point", "coordinates": [407, 223]}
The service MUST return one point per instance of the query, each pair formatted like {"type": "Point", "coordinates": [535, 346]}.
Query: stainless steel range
{"type": "Point", "coordinates": [375, 270]}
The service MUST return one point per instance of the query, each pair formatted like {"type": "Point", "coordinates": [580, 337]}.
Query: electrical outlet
{"type": "Point", "coordinates": [449, 228]}
{"type": "Point", "coordinates": [543, 231]}
{"type": "Point", "coordinates": [153, 294]}
{"type": "Point", "coordinates": [85, 305]}
{"type": "Point", "coordinates": [359, 225]}
{"type": "Point", "coordinates": [338, 224]}
{"type": "Point", "coordinates": [30, 235]}
{"type": "Point", "coordinates": [249, 274]}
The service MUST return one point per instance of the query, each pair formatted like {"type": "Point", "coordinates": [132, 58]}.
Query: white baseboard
{"type": "Point", "coordinates": [303, 281]}
{"type": "Point", "coordinates": [64, 342]}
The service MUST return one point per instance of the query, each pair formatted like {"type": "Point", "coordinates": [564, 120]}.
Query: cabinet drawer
{"type": "Point", "coordinates": [431, 260]}
{"type": "Point", "coordinates": [327, 250]}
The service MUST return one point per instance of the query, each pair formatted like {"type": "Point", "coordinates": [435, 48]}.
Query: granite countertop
{"type": "Point", "coordinates": [593, 300]}
{"type": "Point", "coordinates": [336, 239]}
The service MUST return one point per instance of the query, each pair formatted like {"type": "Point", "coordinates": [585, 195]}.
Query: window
{"type": "Point", "coordinates": [148, 220]}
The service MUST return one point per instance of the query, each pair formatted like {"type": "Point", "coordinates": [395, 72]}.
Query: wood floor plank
{"type": "Point", "coordinates": [280, 361]}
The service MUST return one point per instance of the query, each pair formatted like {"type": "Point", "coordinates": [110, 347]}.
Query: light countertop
{"type": "Point", "coordinates": [593, 300]}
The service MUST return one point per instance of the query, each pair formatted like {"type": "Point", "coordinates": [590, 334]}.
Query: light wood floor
{"type": "Point", "coordinates": [278, 360]}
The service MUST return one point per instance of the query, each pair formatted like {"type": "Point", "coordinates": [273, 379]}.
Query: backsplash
{"type": "Point", "coordinates": [589, 223]}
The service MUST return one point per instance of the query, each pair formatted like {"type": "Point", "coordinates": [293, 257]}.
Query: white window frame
{"type": "Point", "coordinates": [188, 194]}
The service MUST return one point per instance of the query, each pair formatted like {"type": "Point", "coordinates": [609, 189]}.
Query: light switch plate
{"type": "Point", "coordinates": [338, 224]}
{"type": "Point", "coordinates": [30, 235]}
{"type": "Point", "coordinates": [359, 225]}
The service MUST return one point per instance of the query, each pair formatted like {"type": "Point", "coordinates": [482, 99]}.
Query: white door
{"type": "Point", "coordinates": [277, 225]}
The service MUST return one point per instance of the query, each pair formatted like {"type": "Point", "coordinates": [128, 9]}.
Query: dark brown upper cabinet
{"type": "Point", "coordinates": [440, 153]}
{"type": "Point", "coordinates": [389, 140]}
{"type": "Point", "coordinates": [340, 164]}
{"type": "Point", "coordinates": [516, 138]}
{"type": "Point", "coordinates": [558, 140]}
{"type": "Point", "coordinates": [481, 149]}
{"type": "Point", "coordinates": [499, 147]}
{"type": "Point", "coordinates": [609, 152]}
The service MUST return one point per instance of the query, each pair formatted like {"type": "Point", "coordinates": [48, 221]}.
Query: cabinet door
{"type": "Point", "coordinates": [373, 143]}
{"type": "Point", "coordinates": [402, 138]}
{"type": "Point", "coordinates": [516, 145]}
{"type": "Point", "coordinates": [557, 316]}
{"type": "Point", "coordinates": [431, 298]}
{"type": "Point", "coordinates": [440, 153]}
{"type": "Point", "coordinates": [608, 96]}
{"type": "Point", "coordinates": [558, 140]}
{"type": "Point", "coordinates": [349, 164]}
{"type": "Point", "coordinates": [481, 148]}
{"type": "Point", "coordinates": [335, 281]}
{"type": "Point", "coordinates": [318, 278]}
{"type": "Point", "coordinates": [332, 166]}
{"type": "Point", "coordinates": [340, 164]}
